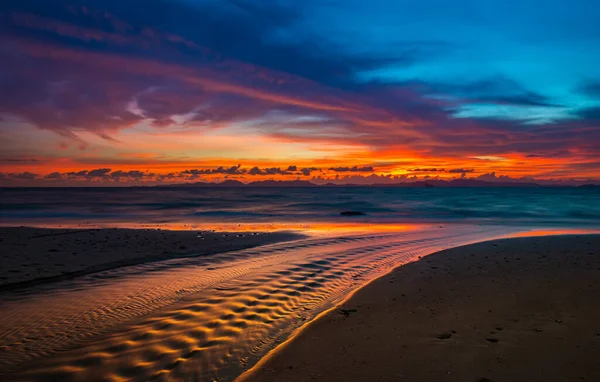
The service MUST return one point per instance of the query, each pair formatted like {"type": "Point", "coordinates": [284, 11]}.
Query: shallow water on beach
{"type": "Point", "coordinates": [205, 318]}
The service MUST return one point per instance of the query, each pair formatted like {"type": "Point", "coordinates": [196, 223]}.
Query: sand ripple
{"type": "Point", "coordinates": [204, 318]}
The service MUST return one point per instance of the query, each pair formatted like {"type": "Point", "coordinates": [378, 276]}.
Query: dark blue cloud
{"type": "Point", "coordinates": [591, 88]}
{"type": "Point", "coordinates": [497, 89]}
{"type": "Point", "coordinates": [592, 114]}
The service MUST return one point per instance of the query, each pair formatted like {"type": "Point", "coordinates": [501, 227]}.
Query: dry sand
{"type": "Point", "coordinates": [34, 255]}
{"type": "Point", "coordinates": [524, 309]}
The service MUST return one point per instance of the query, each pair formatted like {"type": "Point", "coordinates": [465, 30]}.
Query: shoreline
{"type": "Point", "coordinates": [267, 295]}
{"type": "Point", "coordinates": [52, 251]}
{"type": "Point", "coordinates": [275, 364]}
{"type": "Point", "coordinates": [217, 315]}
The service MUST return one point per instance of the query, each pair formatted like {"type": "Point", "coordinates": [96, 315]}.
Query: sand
{"type": "Point", "coordinates": [524, 309]}
{"type": "Point", "coordinates": [31, 256]}
{"type": "Point", "coordinates": [201, 318]}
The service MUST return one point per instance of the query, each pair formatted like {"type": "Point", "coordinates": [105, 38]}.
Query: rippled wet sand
{"type": "Point", "coordinates": [206, 318]}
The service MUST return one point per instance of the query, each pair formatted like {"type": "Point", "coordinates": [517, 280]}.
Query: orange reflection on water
{"type": "Point", "coordinates": [556, 231]}
{"type": "Point", "coordinates": [316, 228]}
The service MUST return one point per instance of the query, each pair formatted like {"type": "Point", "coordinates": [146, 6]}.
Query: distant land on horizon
{"type": "Point", "coordinates": [434, 183]}
{"type": "Point", "coordinates": [417, 184]}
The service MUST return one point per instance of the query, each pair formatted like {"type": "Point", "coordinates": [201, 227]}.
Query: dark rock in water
{"type": "Point", "coordinates": [352, 213]}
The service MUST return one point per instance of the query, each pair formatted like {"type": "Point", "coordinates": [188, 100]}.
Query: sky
{"type": "Point", "coordinates": [123, 92]}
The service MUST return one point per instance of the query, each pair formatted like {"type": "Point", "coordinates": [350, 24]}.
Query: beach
{"type": "Point", "coordinates": [196, 317]}
{"type": "Point", "coordinates": [33, 256]}
{"type": "Point", "coordinates": [519, 309]}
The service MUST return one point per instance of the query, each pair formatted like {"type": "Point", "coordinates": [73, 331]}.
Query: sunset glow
{"type": "Point", "coordinates": [204, 91]}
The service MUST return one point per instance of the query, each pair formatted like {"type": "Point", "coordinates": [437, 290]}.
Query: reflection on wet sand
{"type": "Point", "coordinates": [206, 318]}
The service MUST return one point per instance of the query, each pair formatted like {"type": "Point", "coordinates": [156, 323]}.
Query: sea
{"type": "Point", "coordinates": [190, 206]}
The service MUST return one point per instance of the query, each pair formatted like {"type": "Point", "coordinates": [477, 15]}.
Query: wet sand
{"type": "Point", "coordinates": [37, 255]}
{"type": "Point", "coordinates": [523, 309]}
{"type": "Point", "coordinates": [202, 318]}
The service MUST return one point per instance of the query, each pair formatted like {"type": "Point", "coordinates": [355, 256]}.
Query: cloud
{"type": "Point", "coordinates": [101, 174]}
{"type": "Point", "coordinates": [352, 169]}
{"type": "Point", "coordinates": [104, 88]}
{"type": "Point", "coordinates": [256, 171]}
{"type": "Point", "coordinates": [54, 175]}
{"type": "Point", "coordinates": [98, 173]}
{"type": "Point", "coordinates": [490, 158]}
{"type": "Point", "coordinates": [308, 170]}
{"type": "Point", "coordinates": [498, 89]}
{"type": "Point", "coordinates": [135, 177]}
{"type": "Point", "coordinates": [269, 171]}
{"type": "Point", "coordinates": [590, 113]}
{"type": "Point", "coordinates": [24, 176]}
{"type": "Point", "coordinates": [132, 174]}
{"type": "Point", "coordinates": [460, 170]}
{"type": "Point", "coordinates": [107, 175]}
{"type": "Point", "coordinates": [449, 171]}
{"type": "Point", "coordinates": [233, 170]}
{"type": "Point", "coordinates": [591, 88]}
{"type": "Point", "coordinates": [18, 160]}
{"type": "Point", "coordinates": [552, 154]}
{"type": "Point", "coordinates": [427, 170]}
